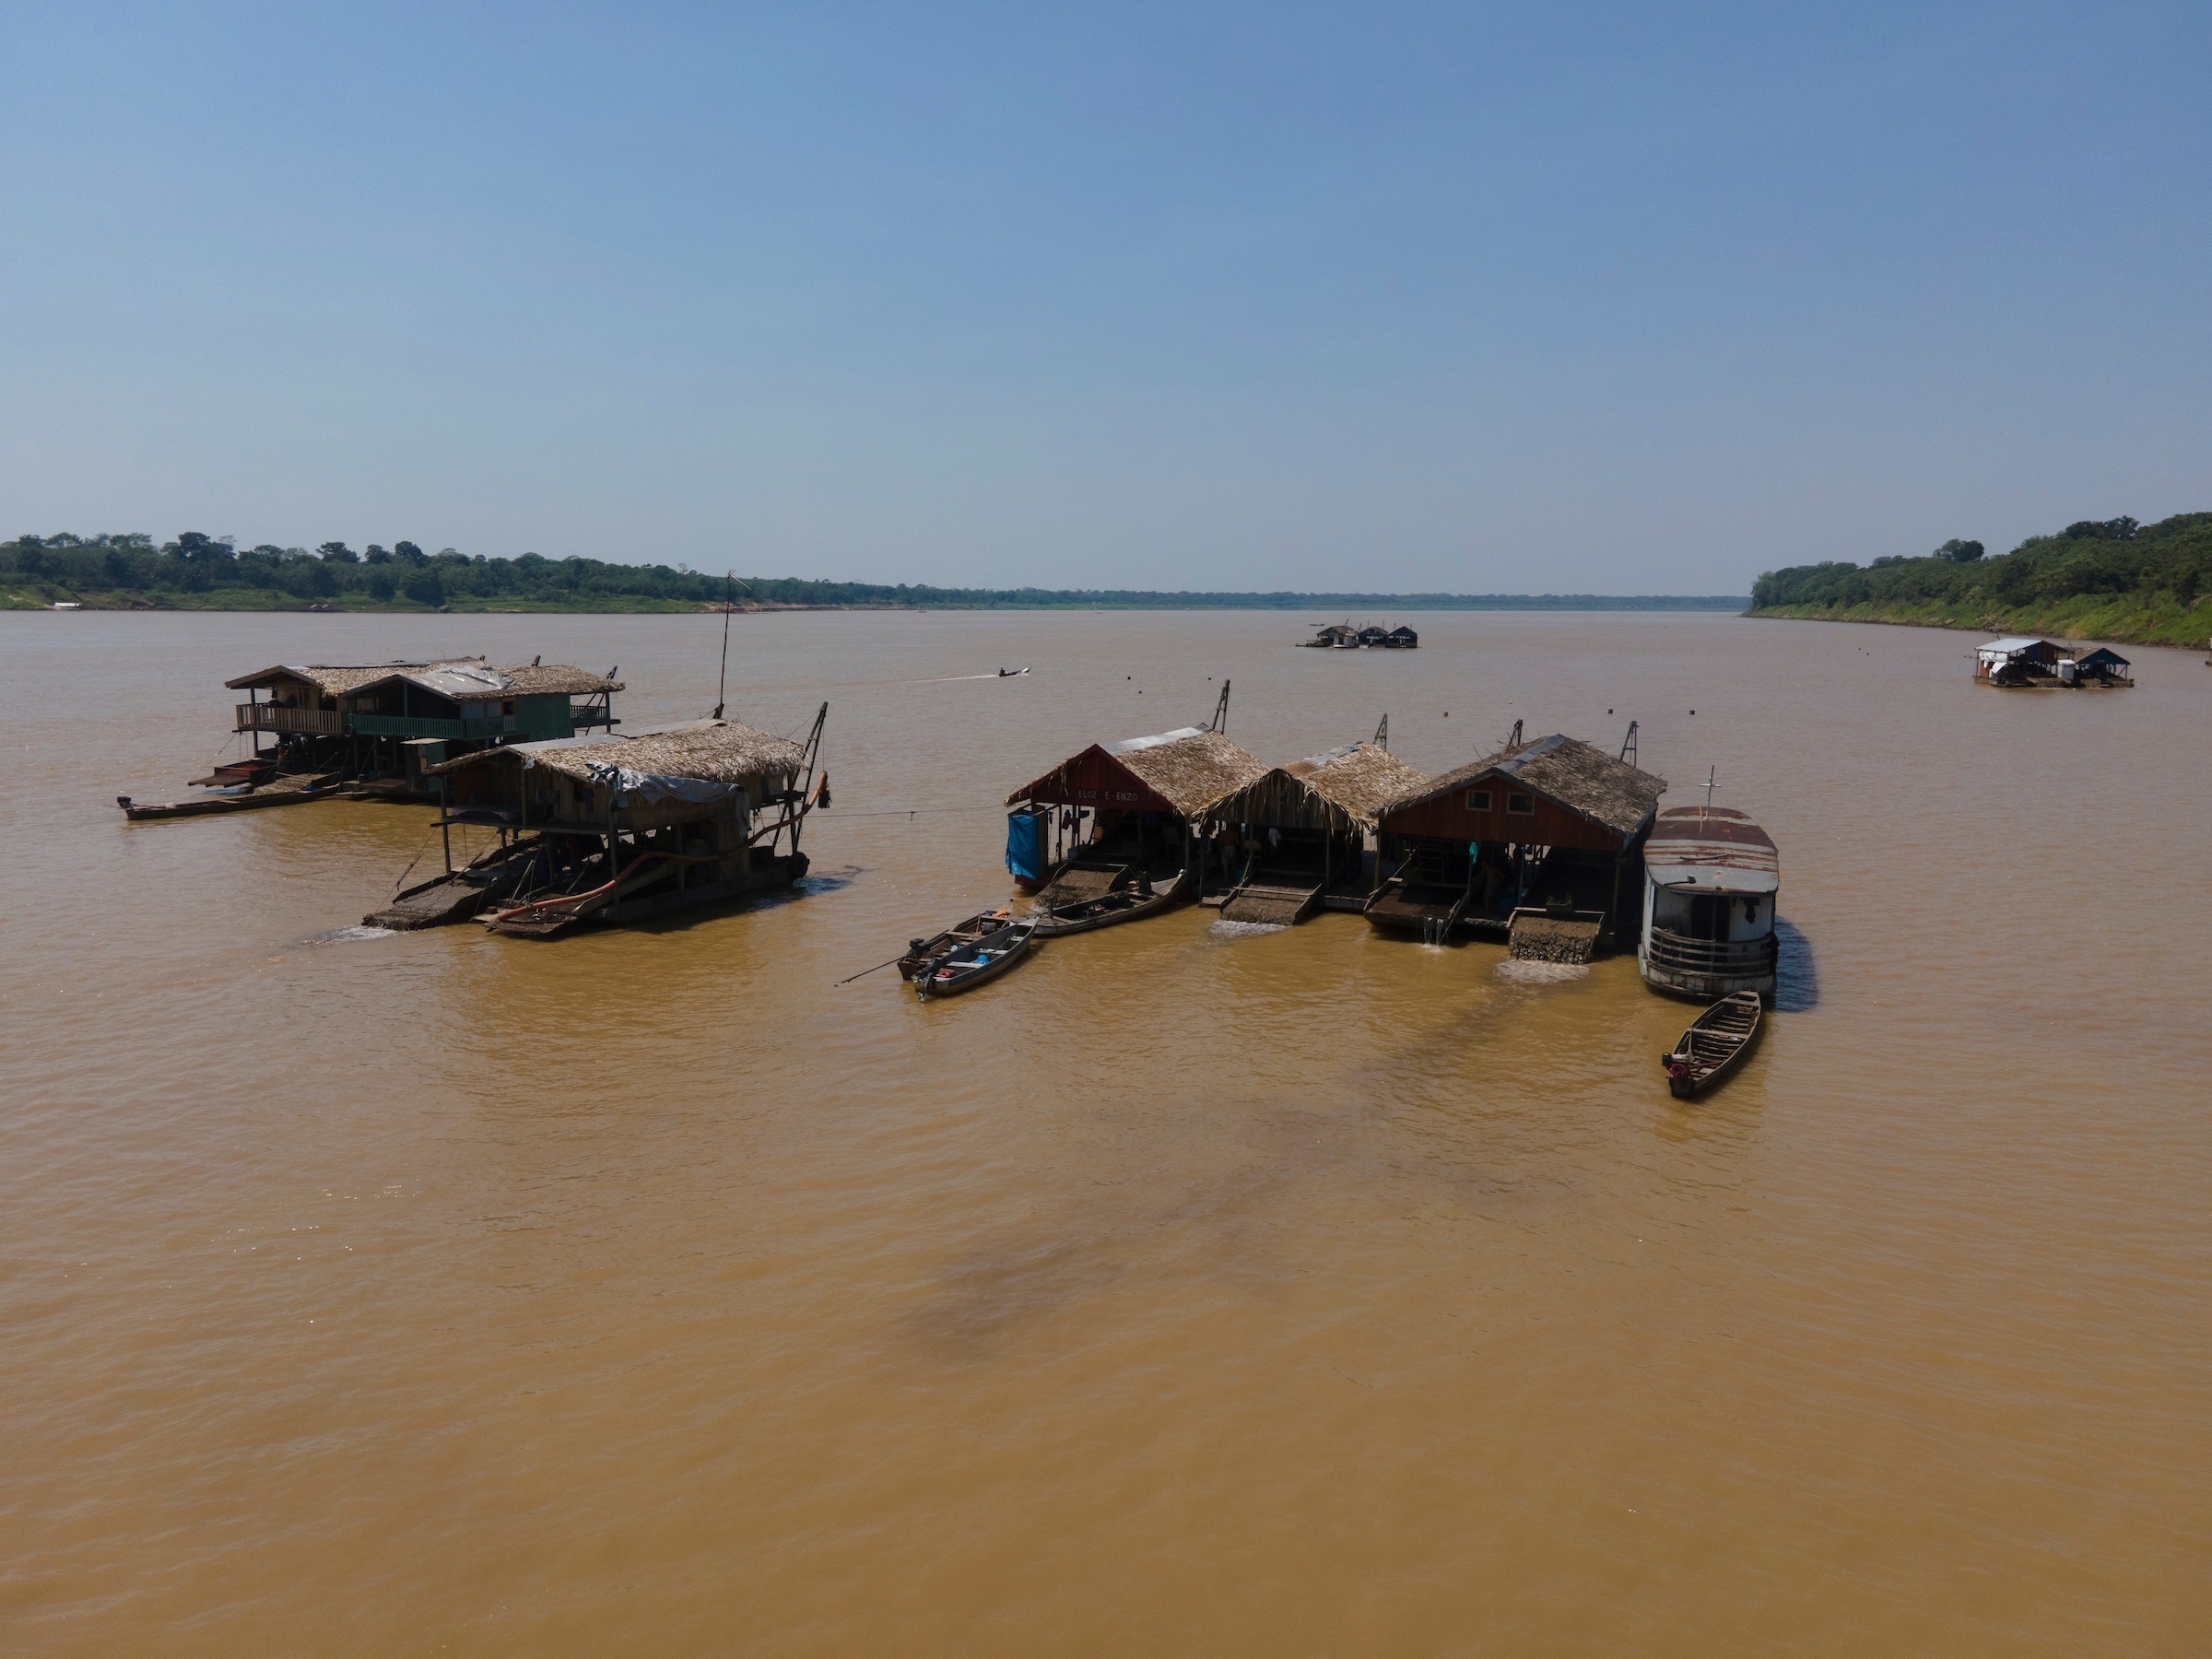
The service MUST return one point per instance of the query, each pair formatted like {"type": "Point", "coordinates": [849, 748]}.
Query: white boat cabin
{"type": "Point", "coordinates": [1710, 880]}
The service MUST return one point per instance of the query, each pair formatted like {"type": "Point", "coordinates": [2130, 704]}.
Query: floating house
{"type": "Point", "coordinates": [388, 723]}
{"type": "Point", "coordinates": [2027, 664]}
{"type": "Point", "coordinates": [2018, 662]}
{"type": "Point", "coordinates": [1711, 876]}
{"type": "Point", "coordinates": [1296, 840]}
{"type": "Point", "coordinates": [2103, 667]}
{"type": "Point", "coordinates": [1117, 814]}
{"type": "Point", "coordinates": [1343, 636]}
{"type": "Point", "coordinates": [616, 830]}
{"type": "Point", "coordinates": [1558, 821]}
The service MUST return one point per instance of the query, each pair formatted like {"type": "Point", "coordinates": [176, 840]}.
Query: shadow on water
{"type": "Point", "coordinates": [1796, 981]}
{"type": "Point", "coordinates": [818, 881]}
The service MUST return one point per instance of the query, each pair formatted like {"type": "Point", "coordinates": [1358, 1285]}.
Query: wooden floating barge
{"type": "Point", "coordinates": [373, 731]}
{"type": "Point", "coordinates": [1295, 840]}
{"type": "Point", "coordinates": [1117, 818]}
{"type": "Point", "coordinates": [619, 829]}
{"type": "Point", "coordinates": [1558, 820]}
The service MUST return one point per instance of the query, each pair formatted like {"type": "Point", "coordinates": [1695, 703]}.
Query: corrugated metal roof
{"type": "Point", "coordinates": [1715, 849]}
{"type": "Point", "coordinates": [478, 682]}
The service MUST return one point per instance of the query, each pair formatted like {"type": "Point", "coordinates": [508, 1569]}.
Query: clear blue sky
{"type": "Point", "coordinates": [1552, 297]}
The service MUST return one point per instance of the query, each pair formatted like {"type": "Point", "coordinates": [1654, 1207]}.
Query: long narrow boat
{"type": "Point", "coordinates": [919, 951]}
{"type": "Point", "coordinates": [249, 799]}
{"type": "Point", "coordinates": [1714, 1045]}
{"type": "Point", "coordinates": [967, 966]}
{"type": "Point", "coordinates": [1116, 905]}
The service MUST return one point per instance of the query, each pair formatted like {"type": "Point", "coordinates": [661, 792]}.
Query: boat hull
{"type": "Point", "coordinates": [929, 987]}
{"type": "Point", "coordinates": [766, 874]}
{"type": "Point", "coordinates": [1163, 898]}
{"type": "Point", "coordinates": [218, 805]}
{"type": "Point", "coordinates": [1715, 1045]}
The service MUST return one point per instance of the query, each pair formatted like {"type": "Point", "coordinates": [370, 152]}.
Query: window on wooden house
{"type": "Point", "coordinates": [1479, 800]}
{"type": "Point", "coordinates": [1523, 804]}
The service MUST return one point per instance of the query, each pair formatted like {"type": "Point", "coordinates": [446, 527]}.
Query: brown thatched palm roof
{"type": "Point", "coordinates": [1192, 769]}
{"type": "Point", "coordinates": [714, 752]}
{"type": "Point", "coordinates": [1360, 779]}
{"type": "Point", "coordinates": [1577, 775]}
{"type": "Point", "coordinates": [524, 679]}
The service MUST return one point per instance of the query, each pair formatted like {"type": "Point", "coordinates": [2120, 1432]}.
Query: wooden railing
{"type": "Point", "coordinates": [1681, 953]}
{"type": "Point", "coordinates": [276, 717]}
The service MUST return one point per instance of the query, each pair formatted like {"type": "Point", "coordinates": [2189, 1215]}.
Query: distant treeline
{"type": "Point", "coordinates": [200, 571]}
{"type": "Point", "coordinates": [2099, 578]}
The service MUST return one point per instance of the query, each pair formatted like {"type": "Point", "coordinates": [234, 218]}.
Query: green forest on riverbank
{"type": "Point", "coordinates": [2103, 579]}
{"type": "Point", "coordinates": [202, 573]}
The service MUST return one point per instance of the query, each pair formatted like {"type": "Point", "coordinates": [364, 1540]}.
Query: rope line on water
{"type": "Point", "coordinates": [909, 812]}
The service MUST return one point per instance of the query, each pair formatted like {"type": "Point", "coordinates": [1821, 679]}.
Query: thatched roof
{"type": "Point", "coordinates": [1192, 769]}
{"type": "Point", "coordinates": [713, 751]}
{"type": "Point", "coordinates": [524, 679]}
{"type": "Point", "coordinates": [1577, 775]}
{"type": "Point", "coordinates": [1360, 779]}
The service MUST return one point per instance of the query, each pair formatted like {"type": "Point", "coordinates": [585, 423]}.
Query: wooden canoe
{"type": "Point", "coordinates": [919, 951]}
{"type": "Point", "coordinates": [249, 799]}
{"type": "Point", "coordinates": [1116, 905]}
{"type": "Point", "coordinates": [1714, 1045]}
{"type": "Point", "coordinates": [999, 951]}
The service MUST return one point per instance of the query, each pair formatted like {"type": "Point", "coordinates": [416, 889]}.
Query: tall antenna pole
{"type": "Point", "coordinates": [1514, 741]}
{"type": "Point", "coordinates": [729, 603]}
{"type": "Point", "coordinates": [1383, 734]}
{"type": "Point", "coordinates": [1222, 712]}
{"type": "Point", "coordinates": [1628, 744]}
{"type": "Point", "coordinates": [1711, 774]}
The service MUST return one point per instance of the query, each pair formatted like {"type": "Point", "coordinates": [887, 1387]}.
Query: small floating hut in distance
{"type": "Point", "coordinates": [2021, 663]}
{"type": "Point", "coordinates": [387, 723]}
{"type": "Point", "coordinates": [1116, 813]}
{"type": "Point", "coordinates": [618, 830]}
{"type": "Point", "coordinates": [1558, 822]}
{"type": "Point", "coordinates": [1343, 636]}
{"type": "Point", "coordinates": [1295, 840]}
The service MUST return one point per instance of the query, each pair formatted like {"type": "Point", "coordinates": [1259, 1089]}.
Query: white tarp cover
{"type": "Point", "coordinates": [650, 787]}
{"type": "Point", "coordinates": [1999, 651]}
{"type": "Point", "coordinates": [1130, 745]}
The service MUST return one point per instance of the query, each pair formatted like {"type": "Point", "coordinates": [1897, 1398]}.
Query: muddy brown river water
{"type": "Point", "coordinates": [1302, 1293]}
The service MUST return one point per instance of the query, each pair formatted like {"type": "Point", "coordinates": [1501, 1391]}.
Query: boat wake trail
{"type": "Point", "coordinates": [339, 935]}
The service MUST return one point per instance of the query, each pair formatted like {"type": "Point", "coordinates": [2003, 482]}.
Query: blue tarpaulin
{"type": "Point", "coordinates": [1025, 844]}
